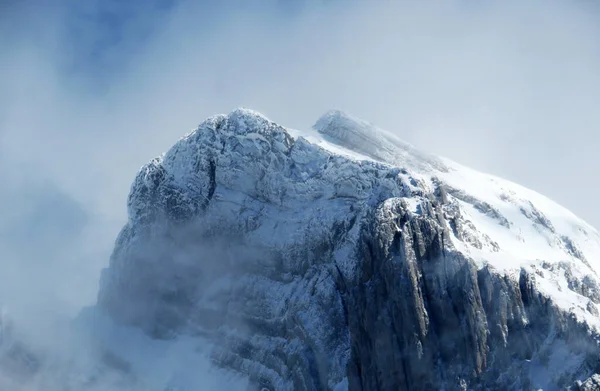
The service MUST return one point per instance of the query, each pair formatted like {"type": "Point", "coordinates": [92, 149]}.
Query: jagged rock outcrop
{"type": "Point", "coordinates": [314, 269]}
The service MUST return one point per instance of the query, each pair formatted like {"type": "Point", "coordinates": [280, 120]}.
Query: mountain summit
{"type": "Point", "coordinates": [343, 258]}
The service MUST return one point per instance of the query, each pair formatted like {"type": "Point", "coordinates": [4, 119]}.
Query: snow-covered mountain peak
{"type": "Point", "coordinates": [350, 130]}
{"type": "Point", "coordinates": [505, 218]}
{"type": "Point", "coordinates": [244, 121]}
{"type": "Point", "coordinates": [347, 131]}
{"type": "Point", "coordinates": [346, 227]}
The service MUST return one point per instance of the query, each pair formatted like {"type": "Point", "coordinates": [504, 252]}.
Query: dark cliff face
{"type": "Point", "coordinates": [425, 317]}
{"type": "Point", "coordinates": [310, 271]}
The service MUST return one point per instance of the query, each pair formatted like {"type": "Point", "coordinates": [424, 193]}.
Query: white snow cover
{"type": "Point", "coordinates": [527, 229]}
{"type": "Point", "coordinates": [510, 226]}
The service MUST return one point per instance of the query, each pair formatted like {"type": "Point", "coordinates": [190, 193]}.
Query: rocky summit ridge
{"type": "Point", "coordinates": [343, 258]}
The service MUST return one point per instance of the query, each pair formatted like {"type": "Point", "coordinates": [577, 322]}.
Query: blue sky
{"type": "Point", "coordinates": [101, 37]}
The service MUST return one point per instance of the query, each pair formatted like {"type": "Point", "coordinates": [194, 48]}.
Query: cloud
{"type": "Point", "coordinates": [91, 91]}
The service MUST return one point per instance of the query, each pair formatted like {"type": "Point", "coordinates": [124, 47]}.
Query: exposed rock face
{"type": "Point", "coordinates": [311, 270]}
{"type": "Point", "coordinates": [425, 317]}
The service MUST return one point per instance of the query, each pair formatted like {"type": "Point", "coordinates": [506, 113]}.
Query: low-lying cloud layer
{"type": "Point", "coordinates": [91, 91]}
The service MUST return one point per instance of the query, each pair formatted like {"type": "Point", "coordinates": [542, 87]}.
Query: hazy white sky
{"type": "Point", "coordinates": [90, 91]}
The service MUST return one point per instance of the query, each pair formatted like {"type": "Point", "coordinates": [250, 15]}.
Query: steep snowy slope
{"type": "Point", "coordinates": [343, 258]}
{"type": "Point", "coordinates": [511, 226]}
